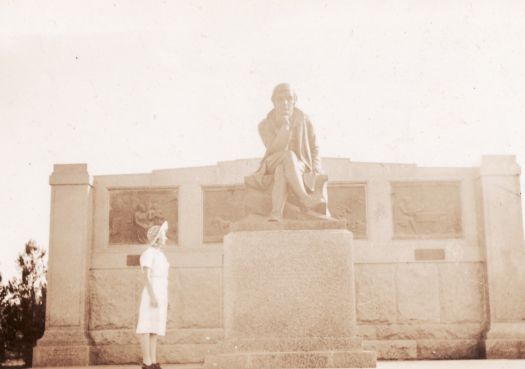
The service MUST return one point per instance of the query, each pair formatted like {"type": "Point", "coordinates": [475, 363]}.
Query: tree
{"type": "Point", "coordinates": [22, 303]}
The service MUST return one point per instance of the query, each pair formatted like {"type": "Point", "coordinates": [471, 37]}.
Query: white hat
{"type": "Point", "coordinates": [154, 232]}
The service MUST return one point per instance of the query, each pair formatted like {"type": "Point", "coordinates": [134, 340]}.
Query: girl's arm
{"type": "Point", "coordinates": [146, 273]}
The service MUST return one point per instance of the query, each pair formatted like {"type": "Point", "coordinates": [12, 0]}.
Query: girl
{"type": "Point", "coordinates": [154, 301]}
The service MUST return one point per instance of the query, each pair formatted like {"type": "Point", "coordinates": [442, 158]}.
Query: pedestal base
{"type": "Point", "coordinates": [63, 348]}
{"type": "Point", "coordinates": [289, 300]}
{"type": "Point", "coordinates": [505, 341]}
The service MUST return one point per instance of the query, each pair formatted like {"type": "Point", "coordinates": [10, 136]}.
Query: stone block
{"type": "Point", "coordinates": [131, 354]}
{"type": "Point", "coordinates": [392, 349]}
{"type": "Point", "coordinates": [114, 337]}
{"type": "Point", "coordinates": [193, 336]}
{"type": "Point", "coordinates": [428, 331]}
{"type": "Point", "coordinates": [226, 361]}
{"type": "Point", "coordinates": [113, 301]}
{"type": "Point", "coordinates": [289, 360]}
{"type": "Point", "coordinates": [461, 291]}
{"type": "Point", "coordinates": [448, 349]}
{"type": "Point", "coordinates": [375, 293]}
{"type": "Point", "coordinates": [187, 353]}
{"type": "Point", "coordinates": [503, 349]}
{"type": "Point", "coordinates": [290, 344]}
{"type": "Point", "coordinates": [195, 298]}
{"type": "Point", "coordinates": [118, 354]}
{"type": "Point", "coordinates": [63, 355]}
{"type": "Point", "coordinates": [417, 293]}
{"type": "Point", "coordinates": [352, 359]}
{"type": "Point", "coordinates": [289, 284]}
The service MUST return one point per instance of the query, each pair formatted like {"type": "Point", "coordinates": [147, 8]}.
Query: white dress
{"type": "Point", "coordinates": [153, 320]}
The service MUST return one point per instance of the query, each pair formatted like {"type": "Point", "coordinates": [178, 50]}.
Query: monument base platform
{"type": "Point", "coordinates": [304, 352]}
{"type": "Point", "coordinates": [506, 341]}
{"type": "Point", "coordinates": [282, 360]}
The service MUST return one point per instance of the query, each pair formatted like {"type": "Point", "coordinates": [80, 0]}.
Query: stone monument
{"type": "Point", "coordinates": [289, 297]}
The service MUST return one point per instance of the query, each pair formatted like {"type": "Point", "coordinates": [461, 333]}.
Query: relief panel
{"type": "Point", "coordinates": [222, 206]}
{"type": "Point", "coordinates": [133, 212]}
{"type": "Point", "coordinates": [348, 202]}
{"type": "Point", "coordinates": [426, 210]}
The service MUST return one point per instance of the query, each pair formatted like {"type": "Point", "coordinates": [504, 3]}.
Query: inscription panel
{"type": "Point", "coordinates": [426, 210]}
{"type": "Point", "coordinates": [347, 202]}
{"type": "Point", "coordinates": [133, 212]}
{"type": "Point", "coordinates": [222, 207]}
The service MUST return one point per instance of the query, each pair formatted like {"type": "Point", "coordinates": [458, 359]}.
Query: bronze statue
{"type": "Point", "coordinates": [290, 171]}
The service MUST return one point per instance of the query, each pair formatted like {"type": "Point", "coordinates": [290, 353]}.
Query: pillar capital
{"type": "Point", "coordinates": [70, 174]}
{"type": "Point", "coordinates": [499, 165]}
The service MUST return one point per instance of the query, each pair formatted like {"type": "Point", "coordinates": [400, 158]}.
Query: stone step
{"type": "Point", "coordinates": [278, 344]}
{"type": "Point", "coordinates": [289, 360]}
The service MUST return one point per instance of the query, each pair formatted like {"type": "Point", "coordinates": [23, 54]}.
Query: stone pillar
{"type": "Point", "coordinates": [65, 341]}
{"type": "Point", "coordinates": [505, 260]}
{"type": "Point", "coordinates": [289, 300]}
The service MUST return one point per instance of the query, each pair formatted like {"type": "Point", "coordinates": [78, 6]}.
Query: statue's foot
{"type": "Point", "coordinates": [274, 217]}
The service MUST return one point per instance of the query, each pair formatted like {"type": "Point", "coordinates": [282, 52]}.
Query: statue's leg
{"type": "Point", "coordinates": [294, 174]}
{"type": "Point", "coordinates": [279, 194]}
{"type": "Point", "coordinates": [293, 171]}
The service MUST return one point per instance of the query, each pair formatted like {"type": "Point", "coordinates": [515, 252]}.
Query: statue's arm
{"type": "Point", "coordinates": [274, 142]}
{"type": "Point", "coordinates": [316, 160]}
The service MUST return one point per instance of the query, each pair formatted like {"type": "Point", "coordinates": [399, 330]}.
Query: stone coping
{"type": "Point", "coordinates": [261, 224]}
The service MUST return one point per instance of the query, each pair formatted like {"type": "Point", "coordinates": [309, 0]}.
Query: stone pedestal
{"type": "Point", "coordinates": [289, 300]}
{"type": "Point", "coordinates": [65, 341]}
{"type": "Point", "coordinates": [505, 256]}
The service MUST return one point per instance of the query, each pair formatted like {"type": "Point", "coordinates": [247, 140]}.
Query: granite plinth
{"type": "Point", "coordinates": [289, 299]}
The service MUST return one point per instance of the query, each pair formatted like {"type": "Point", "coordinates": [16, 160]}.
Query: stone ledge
{"type": "Point", "coordinates": [290, 344]}
{"type": "Point", "coordinates": [393, 349]}
{"type": "Point", "coordinates": [448, 349]}
{"type": "Point", "coordinates": [505, 348]}
{"type": "Point", "coordinates": [421, 331]}
{"type": "Point", "coordinates": [131, 354]}
{"type": "Point", "coordinates": [263, 225]}
{"type": "Point", "coordinates": [173, 336]}
{"type": "Point", "coordinates": [278, 360]}
{"type": "Point", "coordinates": [74, 355]}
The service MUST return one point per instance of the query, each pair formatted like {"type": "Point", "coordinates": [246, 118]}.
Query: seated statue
{"type": "Point", "coordinates": [289, 182]}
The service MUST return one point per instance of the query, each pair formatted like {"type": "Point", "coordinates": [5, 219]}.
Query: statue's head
{"type": "Point", "coordinates": [284, 98]}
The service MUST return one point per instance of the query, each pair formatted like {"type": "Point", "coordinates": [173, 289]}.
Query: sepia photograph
{"type": "Point", "coordinates": [197, 184]}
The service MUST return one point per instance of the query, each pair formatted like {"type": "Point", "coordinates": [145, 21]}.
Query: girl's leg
{"type": "Point", "coordinates": [145, 344]}
{"type": "Point", "coordinates": [153, 348]}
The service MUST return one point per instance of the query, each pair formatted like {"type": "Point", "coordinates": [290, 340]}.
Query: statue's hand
{"type": "Point", "coordinates": [284, 121]}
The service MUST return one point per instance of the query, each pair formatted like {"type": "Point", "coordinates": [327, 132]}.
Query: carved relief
{"type": "Point", "coordinates": [426, 209]}
{"type": "Point", "coordinates": [222, 206]}
{"type": "Point", "coordinates": [348, 202]}
{"type": "Point", "coordinates": [133, 212]}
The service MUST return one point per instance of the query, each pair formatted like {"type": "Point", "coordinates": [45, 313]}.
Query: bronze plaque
{"type": "Point", "coordinates": [348, 202]}
{"type": "Point", "coordinates": [133, 260]}
{"type": "Point", "coordinates": [222, 206]}
{"type": "Point", "coordinates": [426, 210]}
{"type": "Point", "coordinates": [133, 212]}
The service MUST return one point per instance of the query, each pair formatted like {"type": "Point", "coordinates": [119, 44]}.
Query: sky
{"type": "Point", "coordinates": [132, 86]}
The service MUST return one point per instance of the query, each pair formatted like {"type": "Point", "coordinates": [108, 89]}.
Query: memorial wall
{"type": "Point", "coordinates": [438, 256]}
